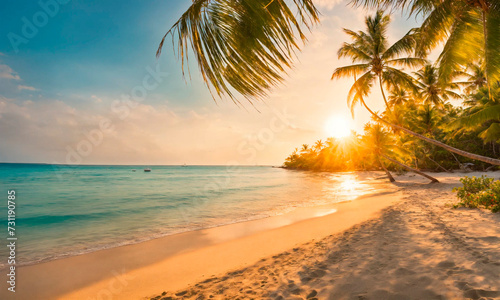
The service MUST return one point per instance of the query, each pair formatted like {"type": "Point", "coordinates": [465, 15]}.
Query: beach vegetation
{"type": "Point", "coordinates": [479, 192]}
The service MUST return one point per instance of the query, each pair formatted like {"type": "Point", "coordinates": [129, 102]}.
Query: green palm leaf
{"type": "Point", "coordinates": [359, 89]}
{"type": "Point", "coordinates": [491, 134]}
{"type": "Point", "coordinates": [350, 71]}
{"type": "Point", "coordinates": [492, 53]}
{"type": "Point", "coordinates": [410, 62]}
{"type": "Point", "coordinates": [478, 118]}
{"type": "Point", "coordinates": [465, 44]}
{"type": "Point", "coordinates": [242, 46]}
{"type": "Point", "coordinates": [405, 45]}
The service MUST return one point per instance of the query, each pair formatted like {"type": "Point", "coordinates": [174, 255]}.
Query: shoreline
{"type": "Point", "coordinates": [367, 178]}
{"type": "Point", "coordinates": [111, 270]}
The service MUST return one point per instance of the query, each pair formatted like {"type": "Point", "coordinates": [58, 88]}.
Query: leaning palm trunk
{"type": "Point", "coordinates": [433, 180]}
{"type": "Point", "coordinates": [485, 159]}
{"type": "Point", "coordinates": [391, 179]}
{"type": "Point", "coordinates": [439, 166]}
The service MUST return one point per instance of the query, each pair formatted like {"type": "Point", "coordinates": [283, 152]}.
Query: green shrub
{"type": "Point", "coordinates": [479, 192]}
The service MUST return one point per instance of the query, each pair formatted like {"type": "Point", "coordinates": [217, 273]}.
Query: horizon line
{"type": "Point", "coordinates": [158, 165]}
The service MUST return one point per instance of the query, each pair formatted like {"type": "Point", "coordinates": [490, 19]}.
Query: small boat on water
{"type": "Point", "coordinates": [133, 170]}
{"type": "Point", "coordinates": [147, 170]}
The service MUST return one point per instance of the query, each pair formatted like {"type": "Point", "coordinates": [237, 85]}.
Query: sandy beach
{"type": "Point", "coordinates": [418, 248]}
{"type": "Point", "coordinates": [402, 242]}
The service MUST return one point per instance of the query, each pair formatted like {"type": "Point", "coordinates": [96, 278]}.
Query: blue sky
{"type": "Point", "coordinates": [60, 84]}
{"type": "Point", "coordinates": [90, 47]}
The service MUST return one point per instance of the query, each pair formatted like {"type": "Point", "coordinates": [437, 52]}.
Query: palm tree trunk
{"type": "Point", "coordinates": [485, 159]}
{"type": "Point", "coordinates": [391, 179]}
{"type": "Point", "coordinates": [458, 162]}
{"type": "Point", "coordinates": [439, 166]}
{"type": "Point", "coordinates": [433, 180]}
{"type": "Point", "coordinates": [383, 94]}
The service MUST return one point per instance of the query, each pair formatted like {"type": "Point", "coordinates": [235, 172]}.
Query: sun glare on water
{"type": "Point", "coordinates": [338, 127]}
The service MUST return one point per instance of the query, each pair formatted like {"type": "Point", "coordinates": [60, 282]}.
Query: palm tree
{"type": "Point", "coordinates": [361, 88]}
{"type": "Point", "coordinates": [242, 46]}
{"type": "Point", "coordinates": [426, 119]}
{"type": "Point", "coordinates": [398, 97]}
{"type": "Point", "coordinates": [305, 148]}
{"type": "Point", "coordinates": [469, 28]}
{"type": "Point", "coordinates": [383, 145]}
{"type": "Point", "coordinates": [484, 116]}
{"type": "Point", "coordinates": [375, 59]}
{"type": "Point", "coordinates": [358, 98]}
{"type": "Point", "coordinates": [318, 145]}
{"type": "Point", "coordinates": [431, 90]}
{"type": "Point", "coordinates": [475, 78]}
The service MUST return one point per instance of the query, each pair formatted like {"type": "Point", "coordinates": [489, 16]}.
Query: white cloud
{"type": "Point", "coordinates": [41, 131]}
{"type": "Point", "coordinates": [96, 99]}
{"type": "Point", "coordinates": [326, 4]}
{"type": "Point", "coordinates": [26, 87]}
{"type": "Point", "coordinates": [7, 73]}
{"type": "Point", "coordinates": [204, 133]}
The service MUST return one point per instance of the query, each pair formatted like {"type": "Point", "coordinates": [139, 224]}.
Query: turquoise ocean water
{"type": "Point", "coordinates": [70, 210]}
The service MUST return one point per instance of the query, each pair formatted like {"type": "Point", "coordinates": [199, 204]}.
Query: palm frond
{"type": "Point", "coordinates": [359, 89]}
{"type": "Point", "coordinates": [465, 44]}
{"type": "Point", "coordinates": [478, 118]}
{"type": "Point", "coordinates": [405, 45]}
{"type": "Point", "coordinates": [244, 46]}
{"type": "Point", "coordinates": [435, 27]}
{"type": "Point", "coordinates": [491, 134]}
{"type": "Point", "coordinates": [353, 52]}
{"type": "Point", "coordinates": [396, 77]}
{"type": "Point", "coordinates": [409, 62]}
{"type": "Point", "coordinates": [350, 71]}
{"type": "Point", "coordinates": [492, 53]}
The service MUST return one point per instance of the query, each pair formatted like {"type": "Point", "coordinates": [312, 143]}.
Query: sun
{"type": "Point", "coordinates": [338, 126]}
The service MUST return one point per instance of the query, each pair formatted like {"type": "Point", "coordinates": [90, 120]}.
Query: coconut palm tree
{"type": "Point", "coordinates": [475, 78]}
{"type": "Point", "coordinates": [305, 148]}
{"type": "Point", "coordinates": [382, 145]}
{"type": "Point", "coordinates": [318, 145]}
{"type": "Point", "coordinates": [426, 119]}
{"type": "Point", "coordinates": [431, 90]}
{"type": "Point", "coordinates": [470, 30]}
{"type": "Point", "coordinates": [242, 46]}
{"type": "Point", "coordinates": [375, 60]}
{"type": "Point", "coordinates": [361, 88]}
{"type": "Point", "coordinates": [483, 115]}
{"type": "Point", "coordinates": [358, 98]}
{"type": "Point", "coordinates": [398, 97]}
